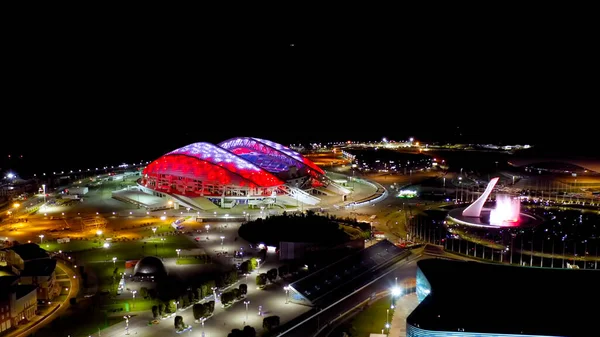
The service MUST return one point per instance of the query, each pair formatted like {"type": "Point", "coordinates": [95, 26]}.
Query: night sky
{"type": "Point", "coordinates": [108, 95]}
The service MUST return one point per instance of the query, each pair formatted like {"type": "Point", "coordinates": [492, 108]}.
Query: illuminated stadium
{"type": "Point", "coordinates": [242, 170]}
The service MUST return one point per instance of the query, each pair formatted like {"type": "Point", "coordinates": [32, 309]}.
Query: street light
{"type": "Point", "coordinates": [257, 266]}
{"type": "Point", "coordinates": [44, 191]}
{"type": "Point", "coordinates": [178, 252]}
{"type": "Point", "coordinates": [41, 238]}
{"type": "Point", "coordinates": [153, 230]}
{"type": "Point", "coordinates": [214, 289]}
{"type": "Point", "coordinates": [246, 303]}
{"type": "Point", "coordinates": [222, 237]}
{"type": "Point", "coordinates": [133, 293]}
{"type": "Point", "coordinates": [207, 228]}
{"type": "Point", "coordinates": [127, 324]}
{"type": "Point", "coordinates": [99, 232]}
{"type": "Point", "coordinates": [114, 260]}
{"type": "Point", "coordinates": [287, 291]}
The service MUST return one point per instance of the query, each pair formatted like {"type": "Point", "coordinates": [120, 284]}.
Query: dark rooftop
{"type": "Point", "coordinates": [24, 289]}
{"type": "Point", "coordinates": [334, 275]}
{"type": "Point", "coordinates": [43, 267]}
{"type": "Point", "coordinates": [485, 298]}
{"type": "Point", "coordinates": [6, 283]}
{"type": "Point", "coordinates": [30, 251]}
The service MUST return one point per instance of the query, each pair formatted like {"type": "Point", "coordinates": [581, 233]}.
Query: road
{"type": "Point", "coordinates": [73, 290]}
{"type": "Point", "coordinates": [402, 270]}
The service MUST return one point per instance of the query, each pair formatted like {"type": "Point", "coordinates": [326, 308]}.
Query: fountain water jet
{"type": "Point", "coordinates": [507, 210]}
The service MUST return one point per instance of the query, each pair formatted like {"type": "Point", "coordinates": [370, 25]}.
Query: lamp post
{"type": "Point", "coordinates": [126, 324]}
{"type": "Point", "coordinates": [287, 291]}
{"type": "Point", "coordinates": [154, 230]}
{"type": "Point", "coordinates": [222, 238]}
{"type": "Point", "coordinates": [41, 238]}
{"type": "Point", "coordinates": [214, 289]}
{"type": "Point", "coordinates": [258, 266]}
{"type": "Point", "coordinates": [114, 259]}
{"type": "Point", "coordinates": [207, 228]}
{"type": "Point", "coordinates": [44, 191]}
{"type": "Point", "coordinates": [178, 252]}
{"type": "Point", "coordinates": [133, 293]}
{"type": "Point", "coordinates": [246, 303]}
{"type": "Point", "coordinates": [387, 319]}
{"type": "Point", "coordinates": [395, 292]}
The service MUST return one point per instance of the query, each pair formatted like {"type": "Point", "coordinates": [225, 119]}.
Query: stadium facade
{"type": "Point", "coordinates": [244, 170]}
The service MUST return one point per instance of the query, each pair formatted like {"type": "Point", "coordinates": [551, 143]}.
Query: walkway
{"type": "Point", "coordinates": [404, 306]}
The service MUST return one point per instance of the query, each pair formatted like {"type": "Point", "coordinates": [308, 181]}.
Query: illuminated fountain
{"type": "Point", "coordinates": [506, 213]}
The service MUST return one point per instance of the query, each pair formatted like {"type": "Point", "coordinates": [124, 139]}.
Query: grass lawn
{"type": "Point", "coordinates": [373, 319]}
{"type": "Point", "coordinates": [78, 323]}
{"type": "Point", "coordinates": [189, 260]}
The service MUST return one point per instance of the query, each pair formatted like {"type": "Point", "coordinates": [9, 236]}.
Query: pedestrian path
{"type": "Point", "coordinates": [404, 306]}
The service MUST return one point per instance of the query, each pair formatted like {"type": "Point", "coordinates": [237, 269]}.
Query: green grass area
{"type": "Point", "coordinates": [73, 246]}
{"type": "Point", "coordinates": [371, 320]}
{"type": "Point", "coordinates": [78, 323]}
{"type": "Point", "coordinates": [189, 260]}
{"type": "Point", "coordinates": [139, 304]}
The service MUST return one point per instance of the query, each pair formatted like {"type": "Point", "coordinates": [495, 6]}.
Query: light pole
{"type": "Point", "coordinates": [154, 230]}
{"type": "Point", "coordinates": [287, 291]}
{"type": "Point", "coordinates": [178, 252]}
{"type": "Point", "coordinates": [246, 303]}
{"type": "Point", "coordinates": [207, 228]}
{"type": "Point", "coordinates": [44, 191]}
{"type": "Point", "coordinates": [258, 266]}
{"type": "Point", "coordinates": [222, 238]}
{"type": "Point", "coordinates": [214, 289]}
{"type": "Point", "coordinates": [41, 238]}
{"type": "Point", "coordinates": [395, 292]}
{"type": "Point", "coordinates": [387, 320]}
{"type": "Point", "coordinates": [126, 324]}
{"type": "Point", "coordinates": [133, 292]}
{"type": "Point", "coordinates": [114, 259]}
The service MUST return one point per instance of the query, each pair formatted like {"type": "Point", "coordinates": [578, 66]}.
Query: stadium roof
{"type": "Point", "coordinates": [329, 278]}
{"type": "Point", "coordinates": [502, 299]}
{"type": "Point", "coordinates": [269, 155]}
{"type": "Point", "coordinates": [212, 163]}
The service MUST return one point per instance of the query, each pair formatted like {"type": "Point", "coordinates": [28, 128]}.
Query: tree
{"type": "Point", "coordinates": [246, 267]}
{"type": "Point", "coordinates": [272, 275]}
{"type": "Point", "coordinates": [283, 270]}
{"type": "Point", "coordinates": [261, 280]}
{"type": "Point", "coordinates": [144, 292]}
{"type": "Point", "coordinates": [236, 333]}
{"type": "Point", "coordinates": [243, 289]}
{"type": "Point", "coordinates": [271, 322]}
{"type": "Point", "coordinates": [161, 308]}
{"type": "Point", "coordinates": [253, 263]}
{"type": "Point", "coordinates": [249, 331]}
{"type": "Point", "coordinates": [211, 307]}
{"type": "Point", "coordinates": [152, 293]}
{"type": "Point", "coordinates": [190, 296]}
{"type": "Point", "coordinates": [185, 301]}
{"type": "Point", "coordinates": [197, 292]}
{"type": "Point", "coordinates": [179, 322]}
{"type": "Point", "coordinates": [227, 297]}
{"type": "Point", "coordinates": [172, 306]}
{"type": "Point", "coordinates": [236, 293]}
{"type": "Point", "coordinates": [198, 310]}
{"type": "Point", "coordinates": [154, 311]}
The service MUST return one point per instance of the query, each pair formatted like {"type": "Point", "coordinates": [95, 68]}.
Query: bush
{"type": "Point", "coordinates": [271, 322]}
{"type": "Point", "coordinates": [178, 322]}
{"type": "Point", "coordinates": [243, 289]}
{"type": "Point", "coordinates": [199, 310]}
{"type": "Point", "coordinates": [261, 280]}
{"type": "Point", "coordinates": [154, 311]}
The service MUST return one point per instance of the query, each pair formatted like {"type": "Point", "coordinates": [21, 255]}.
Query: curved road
{"type": "Point", "coordinates": [73, 291]}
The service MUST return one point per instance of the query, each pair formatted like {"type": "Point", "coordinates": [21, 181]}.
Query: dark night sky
{"type": "Point", "coordinates": [124, 92]}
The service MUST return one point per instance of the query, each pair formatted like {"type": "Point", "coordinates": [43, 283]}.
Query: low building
{"type": "Point", "coordinates": [40, 273]}
{"type": "Point", "coordinates": [30, 251]}
{"type": "Point", "coordinates": [18, 302]}
{"type": "Point", "coordinates": [9, 258]}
